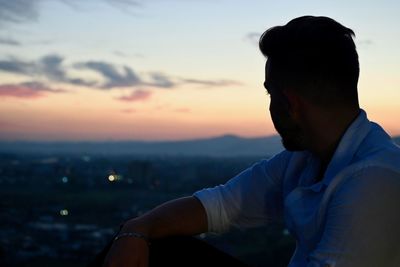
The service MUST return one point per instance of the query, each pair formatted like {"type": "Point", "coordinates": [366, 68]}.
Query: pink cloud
{"type": "Point", "coordinates": [138, 95]}
{"type": "Point", "coordinates": [26, 90]}
{"type": "Point", "coordinates": [128, 110]}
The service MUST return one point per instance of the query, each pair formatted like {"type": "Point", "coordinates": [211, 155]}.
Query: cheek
{"type": "Point", "coordinates": [275, 114]}
{"type": "Point", "coordinates": [275, 108]}
{"type": "Point", "coordinates": [280, 115]}
{"type": "Point", "coordinates": [272, 105]}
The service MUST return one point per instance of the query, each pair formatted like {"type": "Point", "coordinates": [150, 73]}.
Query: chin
{"type": "Point", "coordinates": [292, 137]}
{"type": "Point", "coordinates": [293, 144]}
{"type": "Point", "coordinates": [291, 147]}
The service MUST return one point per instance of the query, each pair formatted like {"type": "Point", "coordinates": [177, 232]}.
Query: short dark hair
{"type": "Point", "coordinates": [316, 56]}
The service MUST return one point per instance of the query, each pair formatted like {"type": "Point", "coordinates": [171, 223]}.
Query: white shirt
{"type": "Point", "coordinates": [349, 218]}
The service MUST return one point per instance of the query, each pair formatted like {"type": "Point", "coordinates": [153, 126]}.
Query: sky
{"type": "Point", "coordinates": [168, 69]}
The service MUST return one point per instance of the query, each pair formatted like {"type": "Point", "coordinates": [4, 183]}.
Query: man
{"type": "Point", "coordinates": [337, 184]}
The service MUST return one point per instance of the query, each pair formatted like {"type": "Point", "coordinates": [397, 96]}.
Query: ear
{"type": "Point", "coordinates": [295, 103]}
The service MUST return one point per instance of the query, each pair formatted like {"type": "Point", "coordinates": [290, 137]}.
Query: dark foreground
{"type": "Point", "coordinates": [62, 210]}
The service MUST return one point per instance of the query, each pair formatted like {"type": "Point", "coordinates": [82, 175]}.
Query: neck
{"type": "Point", "coordinates": [326, 128]}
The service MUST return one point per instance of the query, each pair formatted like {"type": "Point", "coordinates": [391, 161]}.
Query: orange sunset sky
{"type": "Point", "coordinates": [167, 70]}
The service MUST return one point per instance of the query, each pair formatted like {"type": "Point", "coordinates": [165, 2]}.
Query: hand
{"type": "Point", "coordinates": [128, 251]}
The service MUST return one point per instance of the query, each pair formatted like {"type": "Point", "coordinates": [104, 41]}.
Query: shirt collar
{"type": "Point", "coordinates": [348, 146]}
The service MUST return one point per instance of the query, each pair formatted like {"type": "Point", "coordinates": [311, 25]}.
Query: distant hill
{"type": "Point", "coordinates": [224, 146]}
{"type": "Point", "coordinates": [397, 139]}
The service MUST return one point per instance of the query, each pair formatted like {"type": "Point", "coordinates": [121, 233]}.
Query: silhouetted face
{"type": "Point", "coordinates": [279, 108]}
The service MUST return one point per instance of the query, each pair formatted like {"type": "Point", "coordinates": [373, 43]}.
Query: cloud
{"type": "Point", "coordinates": [161, 80]}
{"type": "Point", "coordinates": [128, 110]}
{"type": "Point", "coordinates": [124, 3]}
{"type": "Point", "coordinates": [121, 54]}
{"type": "Point", "coordinates": [113, 78]}
{"type": "Point", "coordinates": [18, 11]}
{"type": "Point", "coordinates": [127, 77]}
{"type": "Point", "coordinates": [49, 66]}
{"type": "Point", "coordinates": [17, 66]}
{"type": "Point", "coordinates": [8, 41]}
{"type": "Point", "coordinates": [253, 37]}
{"type": "Point", "coordinates": [26, 90]}
{"type": "Point", "coordinates": [365, 42]}
{"type": "Point", "coordinates": [138, 95]}
{"type": "Point", "coordinates": [212, 83]}
{"type": "Point", "coordinates": [22, 11]}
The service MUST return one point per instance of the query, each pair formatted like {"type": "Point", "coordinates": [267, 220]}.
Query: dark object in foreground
{"type": "Point", "coordinates": [180, 251]}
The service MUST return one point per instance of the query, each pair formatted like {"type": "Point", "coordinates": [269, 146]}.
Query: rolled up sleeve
{"type": "Point", "coordinates": [252, 198]}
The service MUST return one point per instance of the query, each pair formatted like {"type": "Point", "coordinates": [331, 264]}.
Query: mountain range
{"type": "Point", "coordinates": [223, 146]}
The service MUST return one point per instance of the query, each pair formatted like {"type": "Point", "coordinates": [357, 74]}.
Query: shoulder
{"type": "Point", "coordinates": [378, 148]}
{"type": "Point", "coordinates": [377, 161]}
{"type": "Point", "coordinates": [284, 158]}
{"type": "Point", "coordinates": [366, 183]}
{"type": "Point", "coordinates": [372, 182]}
{"type": "Point", "coordinates": [278, 164]}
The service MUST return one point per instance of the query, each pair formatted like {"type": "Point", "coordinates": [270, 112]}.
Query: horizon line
{"type": "Point", "coordinates": [135, 140]}
{"type": "Point", "coordinates": [145, 140]}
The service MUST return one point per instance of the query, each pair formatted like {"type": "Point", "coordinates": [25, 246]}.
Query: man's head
{"type": "Point", "coordinates": [314, 58]}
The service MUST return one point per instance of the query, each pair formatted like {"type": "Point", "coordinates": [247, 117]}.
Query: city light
{"type": "Point", "coordinates": [64, 212]}
{"type": "Point", "coordinates": [285, 232]}
{"type": "Point", "coordinates": [64, 179]}
{"type": "Point", "coordinates": [111, 178]}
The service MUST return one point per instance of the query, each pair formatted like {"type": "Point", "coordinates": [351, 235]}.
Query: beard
{"type": "Point", "coordinates": [291, 134]}
{"type": "Point", "coordinates": [291, 141]}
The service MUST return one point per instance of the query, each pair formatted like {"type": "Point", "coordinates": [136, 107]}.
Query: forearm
{"type": "Point", "coordinates": [183, 216]}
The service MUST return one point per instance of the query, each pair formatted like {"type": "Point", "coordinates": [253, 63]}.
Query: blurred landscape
{"type": "Point", "coordinates": [60, 205]}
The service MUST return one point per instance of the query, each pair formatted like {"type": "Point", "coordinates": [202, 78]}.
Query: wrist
{"type": "Point", "coordinates": [132, 235]}
{"type": "Point", "coordinates": [135, 225]}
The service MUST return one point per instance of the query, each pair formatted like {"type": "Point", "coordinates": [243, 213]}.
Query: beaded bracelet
{"type": "Point", "coordinates": [133, 234]}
